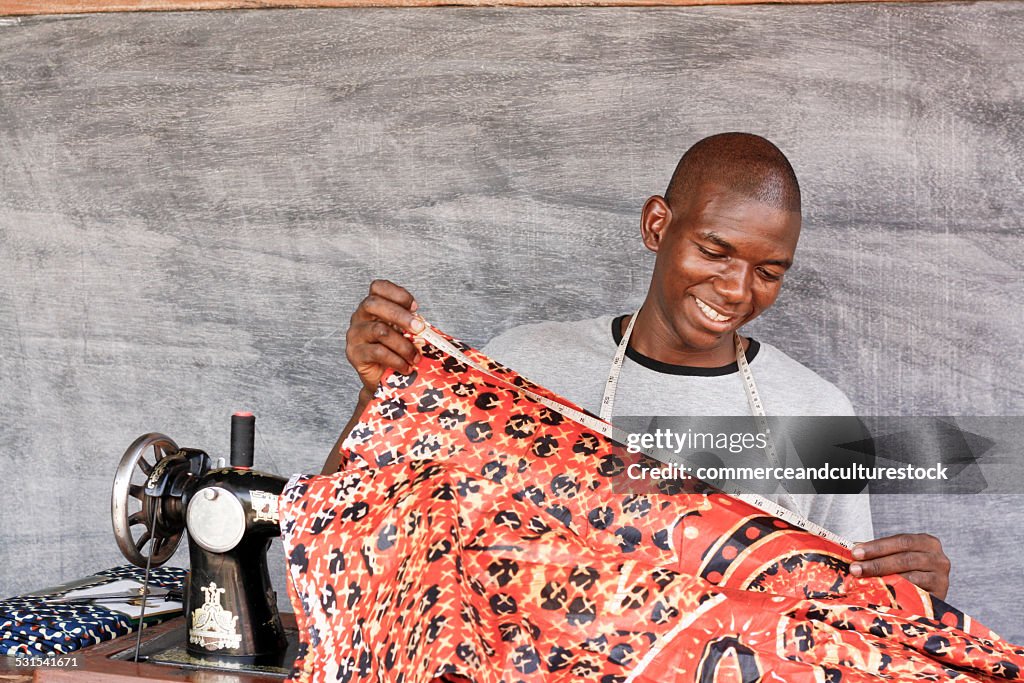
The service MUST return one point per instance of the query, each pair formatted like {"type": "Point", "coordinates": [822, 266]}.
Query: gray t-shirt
{"type": "Point", "coordinates": [573, 359]}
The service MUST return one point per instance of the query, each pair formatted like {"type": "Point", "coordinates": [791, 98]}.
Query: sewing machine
{"type": "Point", "coordinates": [230, 516]}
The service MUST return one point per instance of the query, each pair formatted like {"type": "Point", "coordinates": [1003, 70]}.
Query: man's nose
{"type": "Point", "coordinates": [734, 282]}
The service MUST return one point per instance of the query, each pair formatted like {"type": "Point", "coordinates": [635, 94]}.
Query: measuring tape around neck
{"type": "Point", "coordinates": [753, 397]}
{"type": "Point", "coordinates": [604, 427]}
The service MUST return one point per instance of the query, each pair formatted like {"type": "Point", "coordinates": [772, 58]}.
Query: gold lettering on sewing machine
{"type": "Point", "coordinates": [158, 471]}
{"type": "Point", "coordinates": [214, 627]}
{"type": "Point", "coordinates": [264, 506]}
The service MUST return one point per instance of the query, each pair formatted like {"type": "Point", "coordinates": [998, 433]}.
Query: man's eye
{"type": "Point", "coordinates": [769, 275]}
{"type": "Point", "coordinates": [710, 254]}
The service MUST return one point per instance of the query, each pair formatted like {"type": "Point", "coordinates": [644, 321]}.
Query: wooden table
{"type": "Point", "coordinates": [95, 666]}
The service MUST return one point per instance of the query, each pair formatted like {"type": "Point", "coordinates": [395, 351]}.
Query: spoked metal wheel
{"type": "Point", "coordinates": [130, 507]}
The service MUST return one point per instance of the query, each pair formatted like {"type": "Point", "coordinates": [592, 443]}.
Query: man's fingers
{"type": "Point", "coordinates": [374, 342]}
{"type": "Point", "coordinates": [935, 583]}
{"type": "Point", "coordinates": [389, 290]}
{"type": "Point", "coordinates": [371, 360]}
{"type": "Point", "coordinates": [900, 543]}
{"type": "Point", "coordinates": [367, 341]}
{"type": "Point", "coordinates": [900, 563]}
{"type": "Point", "coordinates": [918, 557]}
{"type": "Point", "coordinates": [921, 579]}
{"type": "Point", "coordinates": [376, 307]}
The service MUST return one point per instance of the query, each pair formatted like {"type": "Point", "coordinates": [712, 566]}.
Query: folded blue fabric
{"type": "Point", "coordinates": [35, 625]}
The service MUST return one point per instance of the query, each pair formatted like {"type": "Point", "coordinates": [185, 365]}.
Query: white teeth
{"type": "Point", "coordinates": [710, 312]}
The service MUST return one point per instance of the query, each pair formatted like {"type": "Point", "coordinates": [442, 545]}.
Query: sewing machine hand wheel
{"type": "Point", "coordinates": [135, 462]}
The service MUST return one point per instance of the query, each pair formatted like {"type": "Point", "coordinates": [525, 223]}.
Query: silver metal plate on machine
{"type": "Point", "coordinates": [216, 519]}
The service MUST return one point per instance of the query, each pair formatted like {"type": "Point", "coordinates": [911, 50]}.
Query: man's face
{"type": "Point", "coordinates": [720, 263]}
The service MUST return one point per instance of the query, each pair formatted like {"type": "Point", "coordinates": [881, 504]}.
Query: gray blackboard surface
{"type": "Point", "coordinates": [191, 205]}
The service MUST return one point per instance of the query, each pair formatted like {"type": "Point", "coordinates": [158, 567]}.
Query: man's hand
{"type": "Point", "coordinates": [374, 342]}
{"type": "Point", "coordinates": [916, 557]}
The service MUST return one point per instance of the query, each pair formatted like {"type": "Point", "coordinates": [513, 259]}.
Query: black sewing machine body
{"type": "Point", "coordinates": [230, 517]}
{"type": "Point", "coordinates": [231, 585]}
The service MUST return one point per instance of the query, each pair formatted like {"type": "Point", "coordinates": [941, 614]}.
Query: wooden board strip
{"type": "Point", "coordinates": [29, 7]}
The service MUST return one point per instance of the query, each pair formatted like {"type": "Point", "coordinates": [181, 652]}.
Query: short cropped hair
{"type": "Point", "coordinates": [746, 164]}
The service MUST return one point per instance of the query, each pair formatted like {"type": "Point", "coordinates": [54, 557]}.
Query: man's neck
{"type": "Point", "coordinates": [654, 339]}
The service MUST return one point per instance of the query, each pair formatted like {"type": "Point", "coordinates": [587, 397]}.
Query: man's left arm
{"type": "Point", "coordinates": [917, 557]}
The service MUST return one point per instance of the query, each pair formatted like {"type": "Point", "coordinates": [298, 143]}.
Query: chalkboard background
{"type": "Point", "coordinates": [191, 205]}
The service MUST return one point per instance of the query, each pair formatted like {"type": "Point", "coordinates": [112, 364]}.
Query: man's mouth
{"type": "Point", "coordinates": [711, 313]}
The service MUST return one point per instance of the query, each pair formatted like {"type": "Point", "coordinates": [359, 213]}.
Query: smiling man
{"type": "Point", "coordinates": [724, 235]}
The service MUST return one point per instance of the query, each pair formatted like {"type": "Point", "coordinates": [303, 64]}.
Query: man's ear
{"type": "Point", "coordinates": [654, 221]}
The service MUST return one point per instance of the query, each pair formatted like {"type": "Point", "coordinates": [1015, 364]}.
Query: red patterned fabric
{"type": "Point", "coordinates": [473, 534]}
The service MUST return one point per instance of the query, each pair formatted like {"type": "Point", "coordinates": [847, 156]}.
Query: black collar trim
{"type": "Point", "coordinates": [668, 368]}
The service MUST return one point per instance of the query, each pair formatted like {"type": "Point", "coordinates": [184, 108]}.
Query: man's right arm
{"type": "Point", "coordinates": [375, 343]}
